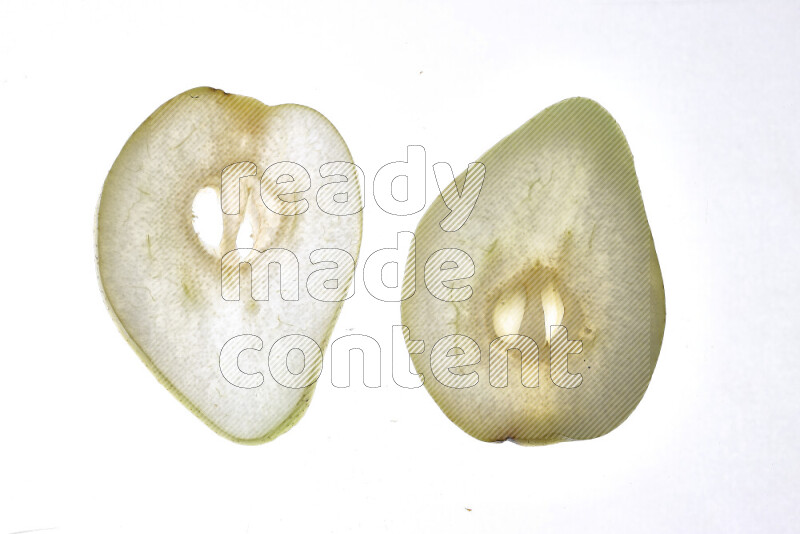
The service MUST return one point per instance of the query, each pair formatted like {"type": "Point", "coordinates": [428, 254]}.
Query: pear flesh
{"type": "Point", "coordinates": [166, 287]}
{"type": "Point", "coordinates": [562, 332]}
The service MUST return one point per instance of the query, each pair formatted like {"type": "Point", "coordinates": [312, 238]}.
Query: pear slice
{"type": "Point", "coordinates": [560, 336]}
{"type": "Point", "coordinates": [177, 298]}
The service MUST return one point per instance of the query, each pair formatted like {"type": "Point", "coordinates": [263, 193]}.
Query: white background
{"type": "Point", "coordinates": [706, 92]}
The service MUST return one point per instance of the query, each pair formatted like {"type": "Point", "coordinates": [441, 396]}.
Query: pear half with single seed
{"type": "Point", "coordinates": [562, 327]}
{"type": "Point", "coordinates": [235, 331]}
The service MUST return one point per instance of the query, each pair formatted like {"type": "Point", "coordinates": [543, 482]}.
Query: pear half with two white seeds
{"type": "Point", "coordinates": [562, 327]}
{"type": "Point", "coordinates": [236, 334]}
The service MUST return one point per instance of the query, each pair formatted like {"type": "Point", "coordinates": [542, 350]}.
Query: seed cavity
{"type": "Point", "coordinates": [244, 239]}
{"type": "Point", "coordinates": [207, 218]}
{"type": "Point", "coordinates": [509, 311]}
{"type": "Point", "coordinates": [553, 308]}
